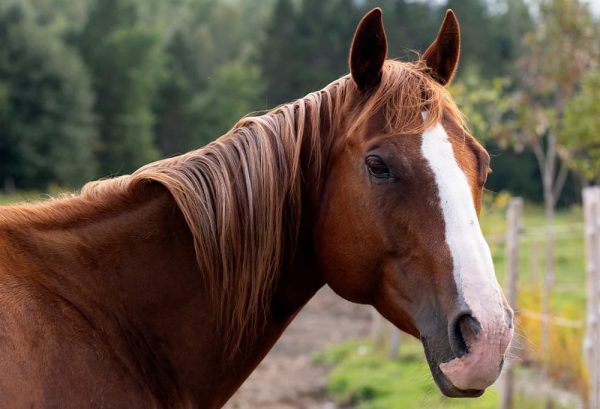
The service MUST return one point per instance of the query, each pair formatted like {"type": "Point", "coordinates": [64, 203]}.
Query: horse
{"type": "Point", "coordinates": [165, 288]}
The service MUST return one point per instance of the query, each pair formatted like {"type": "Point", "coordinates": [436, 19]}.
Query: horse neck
{"type": "Point", "coordinates": [127, 269]}
{"type": "Point", "coordinates": [130, 271]}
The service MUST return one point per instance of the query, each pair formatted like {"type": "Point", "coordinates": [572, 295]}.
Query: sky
{"type": "Point", "coordinates": [595, 6]}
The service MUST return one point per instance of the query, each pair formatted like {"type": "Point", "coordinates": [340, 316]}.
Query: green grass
{"type": "Point", "coordinates": [364, 379]}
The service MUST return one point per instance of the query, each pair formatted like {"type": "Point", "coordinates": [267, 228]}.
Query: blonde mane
{"type": "Point", "coordinates": [241, 194]}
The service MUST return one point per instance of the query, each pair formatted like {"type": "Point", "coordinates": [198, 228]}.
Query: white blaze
{"type": "Point", "coordinates": [472, 262]}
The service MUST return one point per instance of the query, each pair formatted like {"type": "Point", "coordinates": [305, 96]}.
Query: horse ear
{"type": "Point", "coordinates": [369, 50]}
{"type": "Point", "coordinates": [443, 54]}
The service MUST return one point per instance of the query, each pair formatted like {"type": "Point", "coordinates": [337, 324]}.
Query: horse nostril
{"type": "Point", "coordinates": [470, 325]}
{"type": "Point", "coordinates": [463, 330]}
{"type": "Point", "coordinates": [509, 317]}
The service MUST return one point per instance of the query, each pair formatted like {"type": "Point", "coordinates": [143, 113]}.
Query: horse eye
{"type": "Point", "coordinates": [377, 167]}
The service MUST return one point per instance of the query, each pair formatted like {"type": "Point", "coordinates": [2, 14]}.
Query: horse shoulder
{"type": "Point", "coordinates": [52, 357]}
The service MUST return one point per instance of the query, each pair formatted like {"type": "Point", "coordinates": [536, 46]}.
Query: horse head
{"type": "Point", "coordinates": [399, 229]}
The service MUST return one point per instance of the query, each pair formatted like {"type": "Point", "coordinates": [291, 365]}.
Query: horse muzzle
{"type": "Point", "coordinates": [469, 357]}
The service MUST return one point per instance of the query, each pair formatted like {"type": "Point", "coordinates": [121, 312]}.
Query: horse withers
{"type": "Point", "coordinates": [166, 288]}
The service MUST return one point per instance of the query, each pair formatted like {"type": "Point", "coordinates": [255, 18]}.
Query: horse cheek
{"type": "Point", "coordinates": [347, 252]}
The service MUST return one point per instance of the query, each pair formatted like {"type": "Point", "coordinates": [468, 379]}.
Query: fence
{"type": "Point", "coordinates": [591, 206]}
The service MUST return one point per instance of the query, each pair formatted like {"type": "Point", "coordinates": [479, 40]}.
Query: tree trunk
{"type": "Point", "coordinates": [377, 329]}
{"type": "Point", "coordinates": [394, 347]}
{"type": "Point", "coordinates": [549, 203]}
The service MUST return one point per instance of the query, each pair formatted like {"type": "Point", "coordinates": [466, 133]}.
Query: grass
{"type": "Point", "coordinates": [363, 378]}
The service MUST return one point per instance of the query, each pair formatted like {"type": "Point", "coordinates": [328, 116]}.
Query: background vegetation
{"type": "Point", "coordinates": [93, 88]}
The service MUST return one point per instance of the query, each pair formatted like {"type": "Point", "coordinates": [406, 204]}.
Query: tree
{"type": "Point", "coordinates": [410, 26]}
{"type": "Point", "coordinates": [47, 129]}
{"type": "Point", "coordinates": [556, 56]}
{"type": "Point", "coordinates": [233, 92]}
{"type": "Point", "coordinates": [491, 38]}
{"type": "Point", "coordinates": [209, 36]}
{"type": "Point", "coordinates": [126, 63]}
{"type": "Point", "coordinates": [581, 131]}
{"type": "Point", "coordinates": [305, 48]}
{"type": "Point", "coordinates": [63, 17]}
{"type": "Point", "coordinates": [281, 80]}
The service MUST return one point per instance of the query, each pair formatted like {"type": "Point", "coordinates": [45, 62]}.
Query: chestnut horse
{"type": "Point", "coordinates": [166, 288]}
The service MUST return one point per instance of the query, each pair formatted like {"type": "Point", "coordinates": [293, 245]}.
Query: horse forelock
{"type": "Point", "coordinates": [404, 92]}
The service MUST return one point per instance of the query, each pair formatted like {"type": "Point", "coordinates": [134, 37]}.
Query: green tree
{"type": "Point", "coordinates": [410, 26]}
{"type": "Point", "coordinates": [556, 56]}
{"type": "Point", "coordinates": [63, 17]}
{"type": "Point", "coordinates": [491, 39]}
{"type": "Point", "coordinates": [47, 130]}
{"type": "Point", "coordinates": [305, 47]}
{"type": "Point", "coordinates": [232, 93]}
{"type": "Point", "coordinates": [126, 63]}
{"type": "Point", "coordinates": [581, 131]}
{"type": "Point", "coordinates": [210, 34]}
{"type": "Point", "coordinates": [281, 80]}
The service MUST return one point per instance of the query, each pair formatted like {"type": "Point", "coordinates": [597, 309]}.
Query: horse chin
{"type": "Point", "coordinates": [442, 382]}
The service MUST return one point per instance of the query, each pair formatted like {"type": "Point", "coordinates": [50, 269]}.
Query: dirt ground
{"type": "Point", "coordinates": [287, 378]}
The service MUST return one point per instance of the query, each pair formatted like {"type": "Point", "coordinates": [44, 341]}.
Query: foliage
{"type": "Point", "coordinates": [556, 56]}
{"type": "Point", "coordinates": [125, 62]}
{"type": "Point", "coordinates": [490, 107]}
{"type": "Point", "coordinates": [491, 41]}
{"type": "Point", "coordinates": [62, 17]}
{"type": "Point", "coordinates": [232, 93]}
{"type": "Point", "coordinates": [297, 56]}
{"type": "Point", "coordinates": [582, 129]}
{"type": "Point", "coordinates": [484, 103]}
{"type": "Point", "coordinates": [154, 66]}
{"type": "Point", "coordinates": [212, 38]}
{"type": "Point", "coordinates": [47, 131]}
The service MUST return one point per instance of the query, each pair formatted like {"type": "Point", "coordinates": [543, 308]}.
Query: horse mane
{"type": "Point", "coordinates": [241, 195]}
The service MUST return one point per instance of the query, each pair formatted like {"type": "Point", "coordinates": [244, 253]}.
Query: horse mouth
{"type": "Point", "coordinates": [445, 386]}
{"type": "Point", "coordinates": [450, 390]}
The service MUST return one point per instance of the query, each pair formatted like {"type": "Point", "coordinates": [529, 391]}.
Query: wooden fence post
{"type": "Point", "coordinates": [394, 347]}
{"type": "Point", "coordinates": [591, 207]}
{"type": "Point", "coordinates": [513, 232]}
{"type": "Point", "coordinates": [377, 329]}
